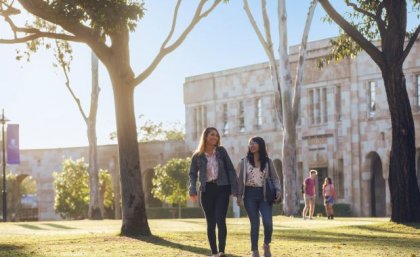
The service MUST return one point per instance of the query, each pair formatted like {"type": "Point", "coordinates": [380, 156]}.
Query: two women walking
{"type": "Point", "coordinates": [213, 168]}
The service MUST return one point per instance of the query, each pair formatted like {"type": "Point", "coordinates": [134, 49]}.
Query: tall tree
{"type": "Point", "coordinates": [63, 56]}
{"type": "Point", "coordinates": [105, 27]}
{"type": "Point", "coordinates": [386, 21]}
{"type": "Point", "coordinates": [287, 92]}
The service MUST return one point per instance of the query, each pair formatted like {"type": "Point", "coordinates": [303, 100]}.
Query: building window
{"type": "Point", "coordinates": [259, 113]}
{"type": "Point", "coordinates": [204, 113]}
{"type": "Point", "coordinates": [241, 116]}
{"type": "Point", "coordinates": [338, 103]}
{"type": "Point", "coordinates": [225, 119]}
{"type": "Point", "coordinates": [312, 106]}
{"type": "Point", "coordinates": [418, 89]}
{"type": "Point", "coordinates": [324, 105]}
{"type": "Point", "coordinates": [318, 112]}
{"type": "Point", "coordinates": [318, 106]}
{"type": "Point", "coordinates": [372, 98]}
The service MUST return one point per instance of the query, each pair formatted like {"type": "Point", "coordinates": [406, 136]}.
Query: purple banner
{"type": "Point", "coordinates": [13, 156]}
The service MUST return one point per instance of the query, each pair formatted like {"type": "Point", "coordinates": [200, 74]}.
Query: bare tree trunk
{"type": "Point", "coordinates": [133, 203]}
{"type": "Point", "coordinates": [134, 219]}
{"type": "Point", "coordinates": [286, 101]}
{"type": "Point", "coordinates": [290, 103]}
{"type": "Point", "coordinates": [117, 188]}
{"type": "Point", "coordinates": [96, 209]}
{"type": "Point", "coordinates": [402, 171]}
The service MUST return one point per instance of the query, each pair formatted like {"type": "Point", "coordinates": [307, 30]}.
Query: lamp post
{"type": "Point", "coordinates": [3, 122]}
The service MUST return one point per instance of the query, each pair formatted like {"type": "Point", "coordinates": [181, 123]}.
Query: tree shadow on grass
{"type": "Point", "coordinates": [57, 226]}
{"type": "Point", "coordinates": [29, 226]}
{"type": "Point", "coordinates": [351, 238]}
{"type": "Point", "coordinates": [13, 250]}
{"type": "Point", "coordinates": [413, 225]}
{"type": "Point", "coordinates": [387, 230]}
{"type": "Point", "coordinates": [156, 240]}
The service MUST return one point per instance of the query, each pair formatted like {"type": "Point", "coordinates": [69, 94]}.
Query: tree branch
{"type": "Point", "coordinates": [302, 56]}
{"type": "Point", "coordinates": [178, 4]}
{"type": "Point", "coordinates": [198, 15]}
{"type": "Point", "coordinates": [360, 10]}
{"type": "Point", "coordinates": [267, 44]}
{"type": "Point", "coordinates": [34, 32]}
{"type": "Point", "coordinates": [411, 42]}
{"type": "Point", "coordinates": [41, 9]}
{"type": "Point", "coordinates": [62, 64]}
{"type": "Point", "coordinates": [370, 49]}
{"type": "Point", "coordinates": [284, 63]}
{"type": "Point", "coordinates": [255, 27]}
{"type": "Point", "coordinates": [40, 35]}
{"type": "Point", "coordinates": [379, 21]}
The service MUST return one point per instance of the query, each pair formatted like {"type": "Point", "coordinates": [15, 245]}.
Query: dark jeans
{"type": "Point", "coordinates": [215, 202]}
{"type": "Point", "coordinates": [254, 205]}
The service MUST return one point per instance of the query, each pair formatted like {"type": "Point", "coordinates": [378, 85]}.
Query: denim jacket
{"type": "Point", "coordinates": [226, 174]}
{"type": "Point", "coordinates": [243, 173]}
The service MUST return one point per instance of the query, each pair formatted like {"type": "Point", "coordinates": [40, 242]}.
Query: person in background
{"type": "Point", "coordinates": [214, 170]}
{"type": "Point", "coordinates": [309, 194]}
{"type": "Point", "coordinates": [329, 195]}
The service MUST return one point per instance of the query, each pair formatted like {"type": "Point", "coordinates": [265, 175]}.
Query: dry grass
{"type": "Point", "coordinates": [187, 237]}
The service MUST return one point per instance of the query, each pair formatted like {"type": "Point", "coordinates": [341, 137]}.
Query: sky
{"type": "Point", "coordinates": [33, 94]}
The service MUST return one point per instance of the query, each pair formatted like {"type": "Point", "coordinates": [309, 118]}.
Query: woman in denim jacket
{"type": "Point", "coordinates": [213, 168]}
{"type": "Point", "coordinates": [255, 168]}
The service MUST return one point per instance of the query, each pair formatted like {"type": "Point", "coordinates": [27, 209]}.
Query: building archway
{"type": "Point", "coordinates": [374, 188]}
{"type": "Point", "coordinates": [24, 202]}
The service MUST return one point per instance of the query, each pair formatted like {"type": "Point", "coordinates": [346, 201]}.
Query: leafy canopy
{"type": "Point", "coordinates": [107, 16]}
{"type": "Point", "coordinates": [370, 18]}
{"type": "Point", "coordinates": [72, 189]}
{"type": "Point", "coordinates": [170, 184]}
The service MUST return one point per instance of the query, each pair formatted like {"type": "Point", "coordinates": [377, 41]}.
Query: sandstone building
{"type": "Point", "coordinates": [344, 129]}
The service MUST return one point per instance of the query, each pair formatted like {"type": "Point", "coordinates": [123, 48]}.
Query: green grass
{"type": "Point", "coordinates": [292, 237]}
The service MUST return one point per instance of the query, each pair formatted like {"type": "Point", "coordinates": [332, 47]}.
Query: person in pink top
{"type": "Point", "coordinates": [309, 194]}
{"type": "Point", "coordinates": [329, 195]}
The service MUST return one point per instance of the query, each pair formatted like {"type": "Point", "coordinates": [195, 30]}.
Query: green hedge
{"type": "Point", "coordinates": [340, 210]}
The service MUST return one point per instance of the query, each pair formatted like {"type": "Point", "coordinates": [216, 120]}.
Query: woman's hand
{"type": "Point", "coordinates": [239, 201]}
{"type": "Point", "coordinates": [278, 197]}
{"type": "Point", "coordinates": [193, 198]}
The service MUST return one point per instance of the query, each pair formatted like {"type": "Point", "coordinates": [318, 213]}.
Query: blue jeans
{"type": "Point", "coordinates": [254, 205]}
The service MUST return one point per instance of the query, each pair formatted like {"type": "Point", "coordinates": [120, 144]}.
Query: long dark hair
{"type": "Point", "coordinates": [262, 152]}
{"type": "Point", "coordinates": [327, 182]}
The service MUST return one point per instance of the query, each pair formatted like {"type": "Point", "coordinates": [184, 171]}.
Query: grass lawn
{"type": "Point", "coordinates": [186, 237]}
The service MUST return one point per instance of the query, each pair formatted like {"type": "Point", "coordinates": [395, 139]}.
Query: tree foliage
{"type": "Point", "coordinates": [370, 18]}
{"type": "Point", "coordinates": [170, 184]}
{"type": "Point", "coordinates": [151, 131]}
{"type": "Point", "coordinates": [72, 189]}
